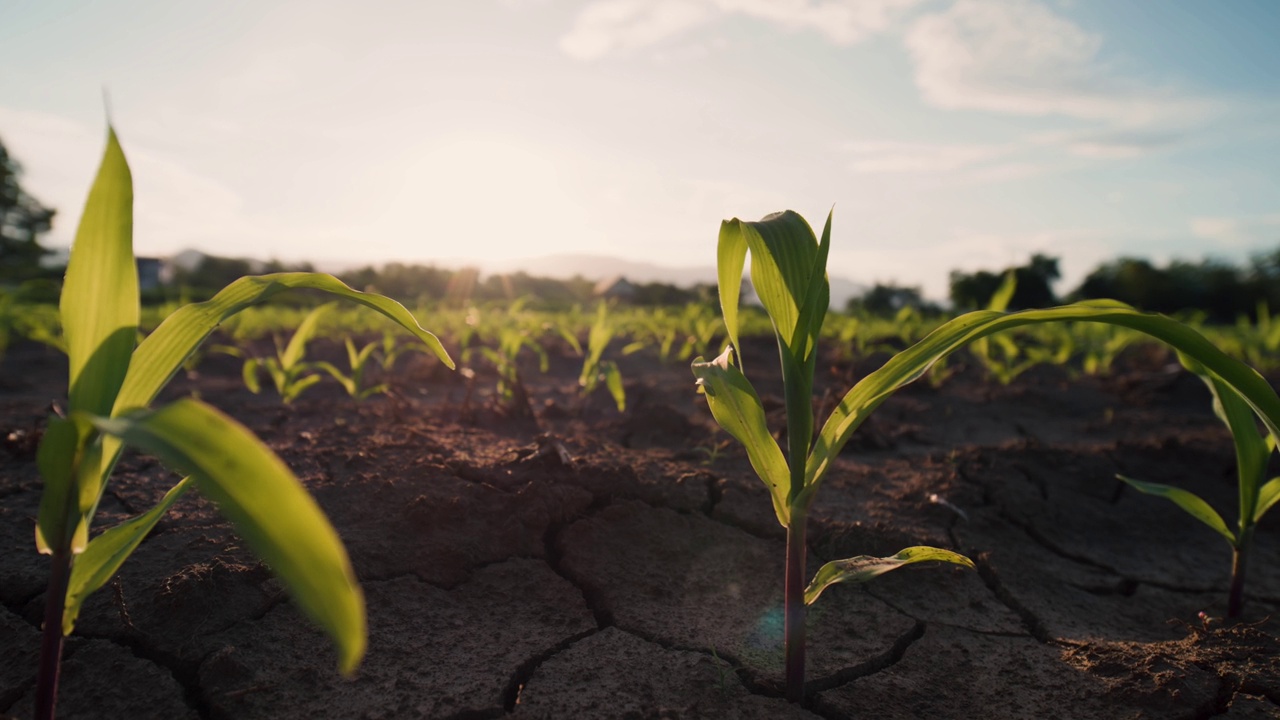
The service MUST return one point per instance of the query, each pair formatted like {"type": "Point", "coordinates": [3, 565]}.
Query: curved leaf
{"type": "Point", "coordinates": [105, 554]}
{"type": "Point", "coordinates": [57, 458]}
{"type": "Point", "coordinates": [910, 364]}
{"type": "Point", "coordinates": [613, 381]}
{"type": "Point", "coordinates": [736, 407]}
{"type": "Point", "coordinates": [99, 304]}
{"type": "Point", "coordinates": [160, 356]}
{"type": "Point", "coordinates": [1252, 448]}
{"type": "Point", "coordinates": [266, 504]}
{"type": "Point", "coordinates": [863, 568]}
{"type": "Point", "coordinates": [1267, 496]}
{"type": "Point", "coordinates": [1188, 501]}
{"type": "Point", "coordinates": [731, 257]}
{"type": "Point", "coordinates": [306, 330]}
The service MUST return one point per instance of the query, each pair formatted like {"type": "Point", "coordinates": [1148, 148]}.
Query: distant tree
{"type": "Point", "coordinates": [1221, 290]}
{"type": "Point", "coordinates": [970, 291]}
{"type": "Point", "coordinates": [404, 282]}
{"type": "Point", "coordinates": [211, 274]}
{"type": "Point", "coordinates": [22, 220]}
{"type": "Point", "coordinates": [887, 299]}
{"type": "Point", "coordinates": [657, 294]}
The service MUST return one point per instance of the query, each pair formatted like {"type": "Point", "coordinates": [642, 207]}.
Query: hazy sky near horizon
{"type": "Point", "coordinates": [946, 133]}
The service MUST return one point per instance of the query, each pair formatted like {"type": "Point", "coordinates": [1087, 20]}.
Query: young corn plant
{"type": "Point", "coordinates": [1257, 494]}
{"type": "Point", "coordinates": [288, 370]}
{"type": "Point", "coordinates": [357, 363]}
{"type": "Point", "coordinates": [596, 369]}
{"type": "Point", "coordinates": [788, 271]}
{"type": "Point", "coordinates": [113, 381]}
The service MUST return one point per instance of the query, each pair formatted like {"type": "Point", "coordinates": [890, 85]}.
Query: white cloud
{"type": "Point", "coordinates": [1020, 57]}
{"type": "Point", "coordinates": [612, 26]}
{"type": "Point", "coordinates": [1239, 233]}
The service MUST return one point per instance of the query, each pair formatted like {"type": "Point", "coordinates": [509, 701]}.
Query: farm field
{"type": "Point", "coordinates": [540, 555]}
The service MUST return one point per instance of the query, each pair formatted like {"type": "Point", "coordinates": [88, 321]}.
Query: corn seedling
{"type": "Point", "coordinates": [113, 381]}
{"type": "Point", "coordinates": [391, 349]}
{"type": "Point", "coordinates": [504, 358]}
{"type": "Point", "coordinates": [357, 363]}
{"type": "Point", "coordinates": [1257, 495]}
{"type": "Point", "coordinates": [788, 271]}
{"type": "Point", "coordinates": [595, 369]}
{"type": "Point", "coordinates": [289, 372]}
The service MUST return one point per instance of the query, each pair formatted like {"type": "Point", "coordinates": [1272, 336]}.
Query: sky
{"type": "Point", "coordinates": [942, 134]}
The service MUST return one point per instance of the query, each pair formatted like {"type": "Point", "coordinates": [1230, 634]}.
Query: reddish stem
{"type": "Point", "coordinates": [51, 637]}
{"type": "Point", "coordinates": [1235, 596]}
{"type": "Point", "coordinates": [794, 609]}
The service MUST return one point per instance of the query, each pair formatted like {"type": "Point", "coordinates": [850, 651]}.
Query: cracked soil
{"type": "Point", "coordinates": [640, 576]}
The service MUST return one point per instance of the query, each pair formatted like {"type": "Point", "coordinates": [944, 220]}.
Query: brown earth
{"type": "Point", "coordinates": [639, 574]}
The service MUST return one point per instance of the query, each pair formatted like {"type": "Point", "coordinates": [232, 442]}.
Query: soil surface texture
{"type": "Point", "coordinates": [550, 557]}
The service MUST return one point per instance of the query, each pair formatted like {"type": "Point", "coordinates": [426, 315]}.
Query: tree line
{"type": "Point", "coordinates": [1221, 290]}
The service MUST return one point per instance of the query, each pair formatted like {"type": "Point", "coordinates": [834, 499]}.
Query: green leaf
{"type": "Point", "coordinates": [295, 386]}
{"type": "Point", "coordinates": [266, 504]}
{"type": "Point", "coordinates": [1188, 501]}
{"type": "Point", "coordinates": [613, 381]}
{"type": "Point", "coordinates": [297, 347]}
{"type": "Point", "coordinates": [910, 364]}
{"type": "Point", "coordinates": [1267, 496]}
{"type": "Point", "coordinates": [57, 458]}
{"type": "Point", "coordinates": [1252, 448]}
{"type": "Point", "coordinates": [1000, 299]}
{"type": "Point", "coordinates": [731, 256]}
{"type": "Point", "coordinates": [160, 356]}
{"type": "Point", "coordinates": [736, 407]}
{"type": "Point", "coordinates": [863, 568]}
{"type": "Point", "coordinates": [105, 554]}
{"type": "Point", "coordinates": [249, 373]}
{"type": "Point", "coordinates": [784, 260]}
{"type": "Point", "coordinates": [99, 303]}
{"type": "Point", "coordinates": [347, 383]}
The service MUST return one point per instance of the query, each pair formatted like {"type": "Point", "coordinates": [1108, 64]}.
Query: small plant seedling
{"type": "Point", "coordinates": [113, 381]}
{"type": "Point", "coordinates": [1257, 495]}
{"type": "Point", "coordinates": [788, 270]}
{"type": "Point", "coordinates": [357, 363]}
{"type": "Point", "coordinates": [594, 368]}
{"type": "Point", "coordinates": [288, 370]}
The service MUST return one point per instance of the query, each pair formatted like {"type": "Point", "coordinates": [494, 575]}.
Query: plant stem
{"type": "Point", "coordinates": [1239, 556]}
{"type": "Point", "coordinates": [51, 637]}
{"type": "Point", "coordinates": [793, 608]}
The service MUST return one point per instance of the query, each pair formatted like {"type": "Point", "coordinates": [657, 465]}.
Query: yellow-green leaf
{"type": "Point", "coordinates": [736, 407]}
{"type": "Point", "coordinates": [99, 304]}
{"type": "Point", "coordinates": [266, 504]}
{"type": "Point", "coordinates": [863, 568]}
{"type": "Point", "coordinates": [105, 554]}
{"type": "Point", "coordinates": [160, 356]}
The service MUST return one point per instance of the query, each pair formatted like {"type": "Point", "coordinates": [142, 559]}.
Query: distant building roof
{"type": "Point", "coordinates": [614, 287]}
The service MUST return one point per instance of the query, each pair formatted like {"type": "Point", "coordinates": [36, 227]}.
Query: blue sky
{"type": "Point", "coordinates": [945, 133]}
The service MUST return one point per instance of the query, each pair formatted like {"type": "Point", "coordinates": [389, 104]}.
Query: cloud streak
{"type": "Point", "coordinates": [1019, 57]}
{"type": "Point", "coordinates": [607, 27]}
